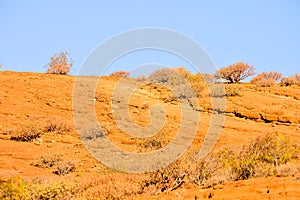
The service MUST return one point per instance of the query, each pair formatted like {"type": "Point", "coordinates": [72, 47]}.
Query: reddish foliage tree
{"type": "Point", "coordinates": [287, 81]}
{"type": "Point", "coordinates": [266, 79]}
{"type": "Point", "coordinates": [272, 75]}
{"type": "Point", "coordinates": [236, 72]}
{"type": "Point", "coordinates": [292, 80]}
{"type": "Point", "coordinates": [59, 64]}
{"type": "Point", "coordinates": [297, 78]}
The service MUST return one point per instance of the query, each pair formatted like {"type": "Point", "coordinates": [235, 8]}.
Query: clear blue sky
{"type": "Point", "coordinates": [263, 33]}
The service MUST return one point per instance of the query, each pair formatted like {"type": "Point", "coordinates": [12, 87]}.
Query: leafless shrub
{"type": "Point", "coordinates": [59, 64]}
{"type": "Point", "coordinates": [47, 161]}
{"type": "Point", "coordinates": [91, 133]}
{"type": "Point", "coordinates": [166, 179]}
{"type": "Point", "coordinates": [289, 169]}
{"type": "Point", "coordinates": [64, 167]}
{"type": "Point", "coordinates": [198, 171]}
{"type": "Point", "coordinates": [28, 133]}
{"type": "Point", "coordinates": [120, 74]}
{"type": "Point", "coordinates": [141, 78]}
{"type": "Point", "coordinates": [151, 144]}
{"type": "Point", "coordinates": [57, 125]}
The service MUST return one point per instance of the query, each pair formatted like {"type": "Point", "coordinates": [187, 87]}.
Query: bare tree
{"type": "Point", "coordinates": [236, 72]}
{"type": "Point", "coordinates": [59, 64]}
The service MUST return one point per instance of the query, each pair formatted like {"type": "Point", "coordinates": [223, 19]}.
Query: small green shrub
{"type": "Point", "coordinates": [260, 158]}
{"type": "Point", "coordinates": [59, 190]}
{"type": "Point", "coordinates": [12, 189]}
{"type": "Point", "coordinates": [16, 188]}
{"type": "Point", "coordinates": [273, 148]}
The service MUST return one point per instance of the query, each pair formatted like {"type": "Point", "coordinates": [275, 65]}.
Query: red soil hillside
{"type": "Point", "coordinates": [32, 101]}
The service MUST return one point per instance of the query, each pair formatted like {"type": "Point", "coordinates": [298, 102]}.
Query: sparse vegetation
{"type": "Point", "coordinates": [57, 125]}
{"type": "Point", "coordinates": [60, 64]}
{"type": "Point", "coordinates": [33, 131]}
{"type": "Point", "coordinates": [47, 161]}
{"type": "Point", "coordinates": [64, 167]}
{"type": "Point", "coordinates": [261, 158]}
{"type": "Point", "coordinates": [120, 74]}
{"type": "Point", "coordinates": [272, 155]}
{"type": "Point", "coordinates": [152, 144]}
{"type": "Point", "coordinates": [166, 179]}
{"type": "Point", "coordinates": [28, 133]}
{"type": "Point", "coordinates": [266, 156]}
